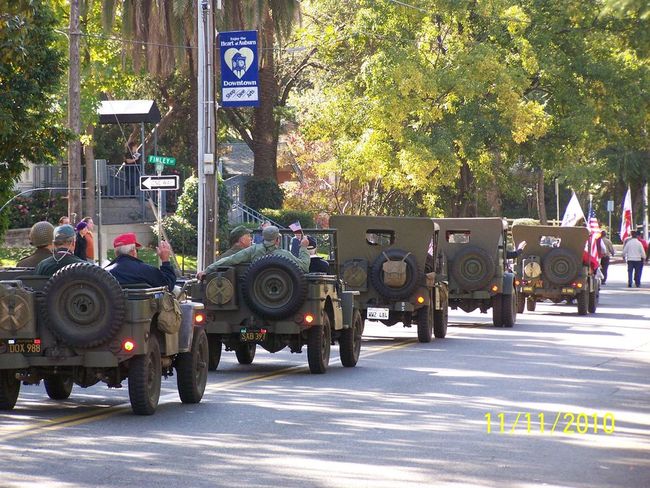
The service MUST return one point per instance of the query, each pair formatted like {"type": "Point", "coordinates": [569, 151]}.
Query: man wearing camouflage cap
{"type": "Point", "coordinates": [269, 245]}
{"type": "Point", "coordinates": [41, 236]}
{"type": "Point", "coordinates": [63, 252]}
{"type": "Point", "coordinates": [240, 238]}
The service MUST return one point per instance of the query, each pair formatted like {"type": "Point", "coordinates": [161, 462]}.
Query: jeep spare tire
{"type": "Point", "coordinates": [473, 268]}
{"type": "Point", "coordinates": [84, 305]}
{"type": "Point", "coordinates": [377, 274]}
{"type": "Point", "coordinates": [560, 266]}
{"type": "Point", "coordinates": [274, 286]}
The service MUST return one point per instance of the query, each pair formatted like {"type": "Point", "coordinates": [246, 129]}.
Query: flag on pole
{"type": "Point", "coordinates": [626, 217]}
{"type": "Point", "coordinates": [573, 212]}
{"type": "Point", "coordinates": [594, 236]}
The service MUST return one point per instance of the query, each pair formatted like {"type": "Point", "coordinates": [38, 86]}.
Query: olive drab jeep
{"type": "Point", "coordinates": [394, 264]}
{"type": "Point", "coordinates": [273, 303]}
{"type": "Point", "coordinates": [551, 267]}
{"type": "Point", "coordinates": [80, 326]}
{"type": "Point", "coordinates": [479, 272]}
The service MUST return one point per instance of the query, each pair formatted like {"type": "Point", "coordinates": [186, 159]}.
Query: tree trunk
{"type": "Point", "coordinates": [465, 205]}
{"type": "Point", "coordinates": [265, 127]}
{"type": "Point", "coordinates": [89, 157]}
{"type": "Point", "coordinates": [541, 202]}
{"type": "Point", "coordinates": [74, 118]}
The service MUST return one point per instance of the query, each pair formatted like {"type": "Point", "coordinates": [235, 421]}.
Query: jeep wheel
{"type": "Point", "coordinates": [145, 377]}
{"type": "Point", "coordinates": [377, 274]}
{"type": "Point", "coordinates": [274, 287]}
{"type": "Point", "coordinates": [9, 389]}
{"type": "Point", "coordinates": [83, 305]}
{"type": "Point", "coordinates": [521, 302]}
{"type": "Point", "coordinates": [319, 342]}
{"type": "Point", "coordinates": [440, 321]}
{"type": "Point", "coordinates": [509, 308]}
{"type": "Point", "coordinates": [192, 369]}
{"type": "Point", "coordinates": [472, 268]}
{"type": "Point", "coordinates": [593, 301]}
{"type": "Point", "coordinates": [497, 310]}
{"type": "Point", "coordinates": [425, 324]}
{"type": "Point", "coordinates": [531, 303]}
{"type": "Point", "coordinates": [350, 342]}
{"type": "Point", "coordinates": [583, 302]}
{"type": "Point", "coordinates": [245, 352]}
{"type": "Point", "coordinates": [560, 266]}
{"type": "Point", "coordinates": [58, 387]}
{"type": "Point", "coordinates": [214, 352]}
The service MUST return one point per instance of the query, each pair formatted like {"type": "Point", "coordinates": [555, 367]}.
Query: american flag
{"type": "Point", "coordinates": [594, 234]}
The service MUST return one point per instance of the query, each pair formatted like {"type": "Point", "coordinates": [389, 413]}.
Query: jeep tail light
{"type": "Point", "coordinates": [579, 285]}
{"type": "Point", "coordinates": [495, 288]}
{"type": "Point", "coordinates": [420, 299]}
{"type": "Point", "coordinates": [199, 318]}
{"type": "Point", "coordinates": [128, 345]}
{"type": "Point", "coordinates": [309, 318]}
{"type": "Point", "coordinates": [517, 282]}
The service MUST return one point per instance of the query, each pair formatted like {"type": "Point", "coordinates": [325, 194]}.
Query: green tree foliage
{"type": "Point", "coordinates": [30, 72]}
{"type": "Point", "coordinates": [264, 193]}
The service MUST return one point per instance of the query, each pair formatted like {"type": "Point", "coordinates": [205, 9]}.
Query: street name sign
{"type": "Point", "coordinates": [161, 182]}
{"type": "Point", "coordinates": [166, 160]}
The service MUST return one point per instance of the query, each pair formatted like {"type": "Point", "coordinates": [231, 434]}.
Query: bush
{"type": "Point", "coordinates": [286, 217]}
{"type": "Point", "coordinates": [263, 194]}
{"type": "Point", "coordinates": [24, 211]}
{"type": "Point", "coordinates": [188, 203]}
{"type": "Point", "coordinates": [525, 221]}
{"type": "Point", "coordinates": [181, 234]}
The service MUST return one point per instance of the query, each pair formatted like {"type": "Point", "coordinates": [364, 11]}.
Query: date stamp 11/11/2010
{"type": "Point", "coordinates": [550, 423]}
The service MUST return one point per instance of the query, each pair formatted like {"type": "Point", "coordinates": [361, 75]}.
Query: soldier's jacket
{"type": "Point", "coordinates": [233, 250]}
{"type": "Point", "coordinates": [32, 260]}
{"type": "Point", "coordinates": [51, 265]}
{"type": "Point", "coordinates": [256, 251]}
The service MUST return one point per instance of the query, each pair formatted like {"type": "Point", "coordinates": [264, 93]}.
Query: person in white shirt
{"type": "Point", "coordinates": [634, 254]}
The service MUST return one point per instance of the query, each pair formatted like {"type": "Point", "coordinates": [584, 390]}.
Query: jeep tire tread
{"type": "Point", "coordinates": [350, 342]}
{"type": "Point", "coordinates": [245, 352]}
{"type": "Point", "coordinates": [58, 387]}
{"type": "Point", "coordinates": [425, 323]}
{"type": "Point", "coordinates": [214, 352]}
{"type": "Point", "coordinates": [145, 378]}
{"type": "Point", "coordinates": [593, 301]}
{"type": "Point", "coordinates": [440, 321]}
{"type": "Point", "coordinates": [521, 302]}
{"type": "Point", "coordinates": [583, 302]}
{"type": "Point", "coordinates": [531, 304]}
{"type": "Point", "coordinates": [497, 310]}
{"type": "Point", "coordinates": [192, 369]}
{"type": "Point", "coordinates": [9, 389]}
{"type": "Point", "coordinates": [319, 341]}
{"type": "Point", "coordinates": [509, 309]}
{"type": "Point", "coordinates": [83, 305]}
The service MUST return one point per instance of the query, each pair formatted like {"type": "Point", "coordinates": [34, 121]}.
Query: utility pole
{"type": "Point", "coordinates": [208, 212]}
{"type": "Point", "coordinates": [74, 117]}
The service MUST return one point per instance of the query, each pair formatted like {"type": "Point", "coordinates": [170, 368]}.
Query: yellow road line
{"type": "Point", "coordinates": [101, 413]}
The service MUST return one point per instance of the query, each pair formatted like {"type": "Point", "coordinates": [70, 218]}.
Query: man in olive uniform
{"type": "Point", "coordinates": [269, 245]}
{"type": "Point", "coordinates": [240, 238]}
{"type": "Point", "coordinates": [41, 236]}
{"type": "Point", "coordinates": [63, 253]}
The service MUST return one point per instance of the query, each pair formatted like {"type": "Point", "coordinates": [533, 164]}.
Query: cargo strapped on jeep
{"type": "Point", "coordinates": [394, 271]}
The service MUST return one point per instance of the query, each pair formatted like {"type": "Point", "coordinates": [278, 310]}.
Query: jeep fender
{"type": "Point", "coordinates": [186, 332]}
{"type": "Point", "coordinates": [348, 305]}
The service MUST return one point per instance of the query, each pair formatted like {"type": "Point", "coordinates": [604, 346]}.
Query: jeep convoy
{"type": "Point", "coordinates": [81, 327]}
{"type": "Point", "coordinates": [552, 267]}
{"type": "Point", "coordinates": [393, 263]}
{"type": "Point", "coordinates": [273, 303]}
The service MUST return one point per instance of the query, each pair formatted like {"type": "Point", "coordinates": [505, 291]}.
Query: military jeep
{"type": "Point", "coordinates": [373, 248]}
{"type": "Point", "coordinates": [552, 267]}
{"type": "Point", "coordinates": [80, 326]}
{"type": "Point", "coordinates": [273, 303]}
{"type": "Point", "coordinates": [479, 272]}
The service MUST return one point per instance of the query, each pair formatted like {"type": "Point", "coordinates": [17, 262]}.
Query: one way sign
{"type": "Point", "coordinates": [164, 182]}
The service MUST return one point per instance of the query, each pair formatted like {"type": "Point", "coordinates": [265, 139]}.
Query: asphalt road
{"type": "Point", "coordinates": [408, 415]}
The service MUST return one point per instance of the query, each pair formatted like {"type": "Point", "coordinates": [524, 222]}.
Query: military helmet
{"type": "Point", "coordinates": [41, 234]}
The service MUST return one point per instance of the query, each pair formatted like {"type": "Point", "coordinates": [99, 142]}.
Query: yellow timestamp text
{"type": "Point", "coordinates": [550, 423]}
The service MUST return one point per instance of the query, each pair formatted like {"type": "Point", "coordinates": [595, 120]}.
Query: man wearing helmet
{"type": "Point", "coordinates": [41, 236]}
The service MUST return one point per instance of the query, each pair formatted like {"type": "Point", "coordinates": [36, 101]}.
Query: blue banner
{"type": "Point", "coordinates": [239, 69]}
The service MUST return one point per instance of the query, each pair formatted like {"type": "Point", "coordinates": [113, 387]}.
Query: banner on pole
{"type": "Point", "coordinates": [239, 69]}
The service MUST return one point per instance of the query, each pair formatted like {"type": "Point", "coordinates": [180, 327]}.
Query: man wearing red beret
{"type": "Point", "coordinates": [128, 269]}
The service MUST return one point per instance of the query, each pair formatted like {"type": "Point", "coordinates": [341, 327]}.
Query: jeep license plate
{"type": "Point", "coordinates": [375, 313]}
{"type": "Point", "coordinates": [568, 291]}
{"type": "Point", "coordinates": [252, 335]}
{"type": "Point", "coordinates": [20, 346]}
